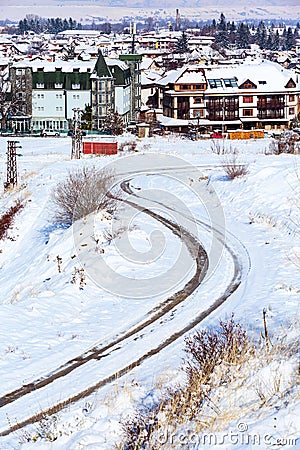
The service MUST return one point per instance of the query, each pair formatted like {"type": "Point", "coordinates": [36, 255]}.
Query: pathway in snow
{"type": "Point", "coordinates": [135, 345]}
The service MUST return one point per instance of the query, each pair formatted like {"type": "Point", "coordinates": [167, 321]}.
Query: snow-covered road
{"type": "Point", "coordinates": [168, 320]}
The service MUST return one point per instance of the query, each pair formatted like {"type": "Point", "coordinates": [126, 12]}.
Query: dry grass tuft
{"type": "Point", "coordinates": [228, 377]}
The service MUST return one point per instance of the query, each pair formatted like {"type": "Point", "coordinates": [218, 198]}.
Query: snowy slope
{"type": "Point", "coordinates": [46, 320]}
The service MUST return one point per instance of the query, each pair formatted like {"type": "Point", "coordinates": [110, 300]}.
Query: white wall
{"type": "Point", "coordinates": [122, 99]}
{"type": "Point", "coordinates": [76, 99]}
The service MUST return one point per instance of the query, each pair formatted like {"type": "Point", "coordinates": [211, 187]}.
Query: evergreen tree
{"type": "Point", "coordinates": [243, 36]}
{"type": "Point", "coordinates": [269, 43]}
{"type": "Point", "coordinates": [276, 42]}
{"type": "Point", "coordinates": [232, 33]}
{"type": "Point", "coordinates": [222, 38]}
{"type": "Point", "coordinates": [261, 35]}
{"type": "Point", "coordinates": [86, 118]}
{"type": "Point", "coordinates": [182, 45]}
{"type": "Point", "coordinates": [113, 123]}
{"type": "Point", "coordinates": [289, 39]}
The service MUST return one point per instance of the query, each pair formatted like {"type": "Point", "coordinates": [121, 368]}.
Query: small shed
{"type": "Point", "coordinates": [143, 129]}
{"type": "Point", "coordinates": [99, 147]}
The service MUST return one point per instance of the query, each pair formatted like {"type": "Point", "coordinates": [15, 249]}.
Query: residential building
{"type": "Point", "coordinates": [54, 89]}
{"type": "Point", "coordinates": [134, 63]}
{"type": "Point", "coordinates": [252, 94]}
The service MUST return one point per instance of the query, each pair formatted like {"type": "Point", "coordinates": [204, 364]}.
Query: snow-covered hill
{"type": "Point", "coordinates": [47, 320]}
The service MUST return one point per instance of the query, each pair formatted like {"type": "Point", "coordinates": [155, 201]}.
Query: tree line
{"type": "Point", "coordinates": [51, 25]}
{"type": "Point", "coordinates": [242, 35]}
{"type": "Point", "coordinates": [227, 34]}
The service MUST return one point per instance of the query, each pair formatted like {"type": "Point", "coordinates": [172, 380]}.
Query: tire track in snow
{"type": "Point", "coordinates": [166, 306]}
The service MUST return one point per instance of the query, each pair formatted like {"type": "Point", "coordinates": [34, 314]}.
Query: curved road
{"type": "Point", "coordinates": [164, 310]}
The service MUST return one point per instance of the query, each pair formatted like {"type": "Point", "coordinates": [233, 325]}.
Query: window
{"type": "Point", "coordinates": [262, 82]}
{"type": "Point", "coordinates": [40, 96]}
{"type": "Point", "coordinates": [76, 69]}
{"type": "Point", "coordinates": [59, 108]}
{"type": "Point", "coordinates": [198, 113]}
{"type": "Point", "coordinates": [76, 96]}
{"type": "Point", "coordinates": [198, 100]}
{"type": "Point", "coordinates": [291, 111]}
{"type": "Point", "coordinates": [20, 71]}
{"type": "Point", "coordinates": [230, 82]}
{"type": "Point", "coordinates": [183, 87]}
{"type": "Point", "coordinates": [247, 112]}
{"type": "Point", "coordinates": [291, 98]}
{"type": "Point", "coordinates": [40, 69]}
{"type": "Point", "coordinates": [57, 69]}
{"type": "Point", "coordinates": [248, 84]}
{"type": "Point", "coordinates": [215, 83]}
{"type": "Point", "coordinates": [199, 86]}
{"type": "Point", "coordinates": [248, 99]}
{"type": "Point", "coordinates": [40, 85]}
{"type": "Point", "coordinates": [58, 95]}
{"type": "Point", "coordinates": [75, 86]}
{"type": "Point", "coordinates": [58, 85]}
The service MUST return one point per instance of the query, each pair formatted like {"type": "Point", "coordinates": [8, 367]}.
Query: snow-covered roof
{"type": "Point", "coordinates": [266, 75]}
{"type": "Point", "coordinates": [192, 76]}
{"type": "Point", "coordinates": [116, 62]}
{"type": "Point", "coordinates": [149, 77]}
{"type": "Point", "coordinates": [51, 66]}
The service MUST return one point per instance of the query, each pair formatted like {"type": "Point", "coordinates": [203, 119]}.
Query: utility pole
{"type": "Point", "coordinates": [133, 33]}
{"type": "Point", "coordinates": [12, 171]}
{"type": "Point", "coordinates": [77, 134]}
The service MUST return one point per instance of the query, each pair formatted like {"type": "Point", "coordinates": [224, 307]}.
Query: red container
{"type": "Point", "coordinates": [100, 148]}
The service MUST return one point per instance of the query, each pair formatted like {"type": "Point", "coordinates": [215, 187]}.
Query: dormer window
{"type": "Point", "coordinates": [291, 84]}
{"type": "Point", "coordinates": [58, 85]}
{"type": "Point", "coordinates": [262, 82]}
{"type": "Point", "coordinates": [75, 86]}
{"type": "Point", "coordinates": [40, 85]}
{"type": "Point", "coordinates": [248, 84]}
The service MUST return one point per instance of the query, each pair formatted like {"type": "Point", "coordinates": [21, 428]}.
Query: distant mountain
{"type": "Point", "coordinates": [181, 3]}
{"type": "Point", "coordinates": [113, 10]}
{"type": "Point", "coordinates": [217, 4]}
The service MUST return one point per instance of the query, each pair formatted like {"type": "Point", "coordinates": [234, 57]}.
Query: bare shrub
{"type": "Point", "coordinates": [128, 145]}
{"type": "Point", "coordinates": [84, 191]}
{"type": "Point", "coordinates": [225, 347]}
{"type": "Point", "coordinates": [7, 219]}
{"type": "Point", "coordinates": [288, 142]}
{"type": "Point", "coordinates": [211, 347]}
{"type": "Point", "coordinates": [218, 147]}
{"type": "Point", "coordinates": [234, 168]}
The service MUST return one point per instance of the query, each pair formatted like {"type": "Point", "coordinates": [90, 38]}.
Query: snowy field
{"type": "Point", "coordinates": [47, 320]}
